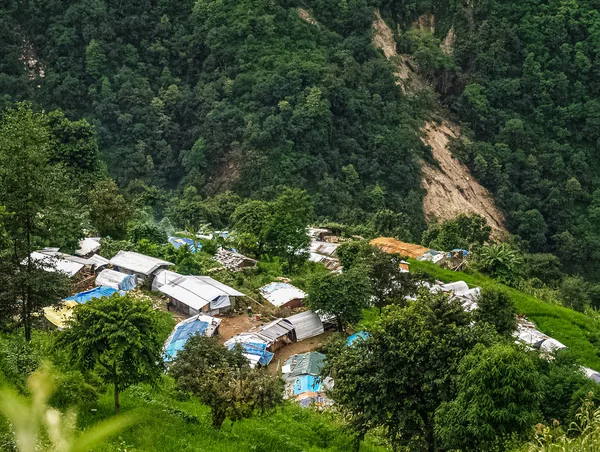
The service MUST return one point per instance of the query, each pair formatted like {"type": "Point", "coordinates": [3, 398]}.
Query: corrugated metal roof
{"type": "Point", "coordinates": [279, 293]}
{"type": "Point", "coordinates": [115, 279]}
{"type": "Point", "coordinates": [310, 363]}
{"type": "Point", "coordinates": [274, 330]}
{"type": "Point", "coordinates": [306, 324]}
{"type": "Point", "coordinates": [88, 245]}
{"type": "Point", "coordinates": [55, 263]}
{"type": "Point", "coordinates": [98, 261]}
{"type": "Point", "coordinates": [138, 263]}
{"type": "Point", "coordinates": [195, 291]}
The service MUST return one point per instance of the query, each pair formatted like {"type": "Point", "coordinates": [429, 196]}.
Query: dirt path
{"type": "Point", "coordinates": [230, 326]}
{"type": "Point", "coordinates": [295, 348]}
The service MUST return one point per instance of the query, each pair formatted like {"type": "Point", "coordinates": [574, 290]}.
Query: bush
{"type": "Point", "coordinates": [73, 389]}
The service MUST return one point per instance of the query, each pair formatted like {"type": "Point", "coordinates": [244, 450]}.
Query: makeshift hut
{"type": "Point", "coordinates": [283, 295]}
{"type": "Point", "coordinates": [303, 380]}
{"type": "Point", "coordinates": [234, 261]}
{"type": "Point", "coordinates": [88, 246]}
{"type": "Point", "coordinates": [60, 315]}
{"type": "Point", "coordinates": [275, 333]}
{"type": "Point", "coordinates": [253, 348]}
{"type": "Point", "coordinates": [195, 294]}
{"type": "Point", "coordinates": [201, 324]}
{"type": "Point", "coordinates": [98, 292]}
{"type": "Point", "coordinates": [304, 325]}
{"type": "Point", "coordinates": [144, 267]}
{"type": "Point", "coordinates": [178, 242]}
{"type": "Point", "coordinates": [116, 280]}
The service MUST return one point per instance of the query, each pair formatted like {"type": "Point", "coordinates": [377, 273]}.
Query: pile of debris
{"type": "Point", "coordinates": [234, 261]}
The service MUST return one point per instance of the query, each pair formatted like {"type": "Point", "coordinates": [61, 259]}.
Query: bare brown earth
{"type": "Point", "coordinates": [231, 326]}
{"type": "Point", "coordinates": [391, 245]}
{"type": "Point", "coordinates": [307, 16]}
{"type": "Point", "coordinates": [451, 189]}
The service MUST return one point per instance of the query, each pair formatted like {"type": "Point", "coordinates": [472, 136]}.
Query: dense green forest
{"type": "Point", "coordinates": [252, 95]}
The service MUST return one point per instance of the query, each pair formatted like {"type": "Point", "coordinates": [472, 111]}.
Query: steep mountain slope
{"type": "Point", "coordinates": [451, 189]}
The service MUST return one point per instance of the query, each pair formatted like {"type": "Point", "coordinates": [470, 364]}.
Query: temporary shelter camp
{"type": "Point", "coordinates": [253, 347]}
{"type": "Point", "coordinates": [304, 325]}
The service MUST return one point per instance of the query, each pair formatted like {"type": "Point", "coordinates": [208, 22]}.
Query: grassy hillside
{"type": "Point", "coordinates": [165, 424]}
{"type": "Point", "coordinates": [576, 330]}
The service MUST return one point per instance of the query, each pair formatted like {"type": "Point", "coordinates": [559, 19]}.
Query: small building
{"type": "Point", "coordinates": [144, 267]}
{"type": "Point", "coordinates": [304, 325]}
{"type": "Point", "coordinates": [283, 295]}
{"type": "Point", "coordinates": [98, 262]}
{"type": "Point", "coordinates": [116, 280]}
{"type": "Point", "coordinates": [460, 290]}
{"type": "Point", "coordinates": [253, 348]}
{"type": "Point", "coordinates": [201, 324]}
{"type": "Point", "coordinates": [275, 334]}
{"type": "Point", "coordinates": [234, 261]}
{"type": "Point", "coordinates": [88, 246]}
{"type": "Point", "coordinates": [303, 380]}
{"type": "Point", "coordinates": [97, 292]}
{"type": "Point", "coordinates": [53, 261]}
{"type": "Point", "coordinates": [195, 294]}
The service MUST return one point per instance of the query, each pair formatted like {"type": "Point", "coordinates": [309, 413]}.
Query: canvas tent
{"type": "Point", "coordinates": [282, 294]}
{"type": "Point", "coordinates": [195, 294]}
{"type": "Point", "coordinates": [201, 324]}
{"type": "Point", "coordinates": [138, 264]}
{"type": "Point", "coordinates": [116, 280]}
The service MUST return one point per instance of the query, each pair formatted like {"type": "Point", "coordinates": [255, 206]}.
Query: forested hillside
{"type": "Point", "coordinates": [226, 95]}
{"type": "Point", "coordinates": [522, 76]}
{"type": "Point", "coordinates": [255, 94]}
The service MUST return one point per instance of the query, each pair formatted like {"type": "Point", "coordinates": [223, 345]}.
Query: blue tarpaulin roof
{"type": "Point", "coordinates": [178, 242]}
{"type": "Point", "coordinates": [181, 335]}
{"type": "Point", "coordinates": [98, 292]}
{"type": "Point", "coordinates": [356, 336]}
{"type": "Point", "coordinates": [257, 349]}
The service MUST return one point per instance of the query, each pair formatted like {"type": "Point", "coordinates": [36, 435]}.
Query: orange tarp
{"type": "Point", "coordinates": [390, 245]}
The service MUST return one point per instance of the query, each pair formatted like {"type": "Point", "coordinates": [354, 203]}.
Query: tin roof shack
{"type": "Point", "coordinates": [144, 267]}
{"type": "Point", "coordinates": [234, 261]}
{"type": "Point", "coordinates": [201, 324]}
{"type": "Point", "coordinates": [324, 252]}
{"type": "Point", "coordinates": [253, 348]}
{"type": "Point", "coordinates": [530, 336]}
{"type": "Point", "coordinates": [304, 325]}
{"type": "Point", "coordinates": [460, 290]}
{"type": "Point", "coordinates": [303, 380]}
{"type": "Point", "coordinates": [275, 334]}
{"type": "Point", "coordinates": [283, 295]}
{"type": "Point", "coordinates": [195, 294]}
{"type": "Point", "coordinates": [116, 280]}
{"type": "Point", "coordinates": [88, 246]}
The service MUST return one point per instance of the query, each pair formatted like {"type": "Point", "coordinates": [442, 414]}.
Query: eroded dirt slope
{"type": "Point", "coordinates": [451, 189]}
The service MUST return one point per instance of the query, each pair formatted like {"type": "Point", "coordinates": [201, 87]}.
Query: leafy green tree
{"type": "Point", "coordinates": [120, 337]}
{"type": "Point", "coordinates": [41, 209]}
{"type": "Point", "coordinates": [464, 232]}
{"type": "Point", "coordinates": [400, 375]}
{"type": "Point", "coordinates": [351, 253]}
{"type": "Point", "coordinates": [499, 394]}
{"type": "Point", "coordinates": [223, 380]}
{"type": "Point", "coordinates": [501, 261]}
{"type": "Point", "coordinates": [250, 222]}
{"type": "Point", "coordinates": [140, 230]}
{"type": "Point", "coordinates": [342, 295]}
{"type": "Point", "coordinates": [189, 211]}
{"type": "Point", "coordinates": [287, 232]}
{"type": "Point", "coordinates": [544, 267]}
{"type": "Point", "coordinates": [497, 309]}
{"type": "Point", "coordinates": [574, 293]}
{"type": "Point", "coordinates": [109, 211]}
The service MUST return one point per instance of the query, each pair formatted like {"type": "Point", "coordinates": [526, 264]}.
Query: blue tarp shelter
{"type": "Point", "coordinates": [178, 242]}
{"type": "Point", "coordinates": [258, 350]}
{"type": "Point", "coordinates": [307, 383]}
{"type": "Point", "coordinates": [98, 292]}
{"type": "Point", "coordinates": [356, 336]}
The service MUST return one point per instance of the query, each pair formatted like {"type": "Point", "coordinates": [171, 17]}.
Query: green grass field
{"type": "Point", "coordinates": [576, 330]}
{"type": "Point", "coordinates": [161, 428]}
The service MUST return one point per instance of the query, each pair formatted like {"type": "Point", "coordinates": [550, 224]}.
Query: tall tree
{"type": "Point", "coordinates": [250, 221]}
{"type": "Point", "coordinates": [41, 207]}
{"type": "Point", "coordinates": [342, 295]}
{"type": "Point", "coordinates": [109, 211]}
{"type": "Point", "coordinates": [120, 337]}
{"type": "Point", "coordinates": [223, 380]}
{"type": "Point", "coordinates": [400, 375]}
{"type": "Point", "coordinates": [499, 394]}
{"type": "Point", "coordinates": [497, 309]}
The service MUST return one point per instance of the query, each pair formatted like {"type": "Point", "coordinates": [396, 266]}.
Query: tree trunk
{"type": "Point", "coordinates": [340, 324]}
{"type": "Point", "coordinates": [218, 417]}
{"type": "Point", "coordinates": [27, 299]}
{"type": "Point", "coordinates": [116, 398]}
